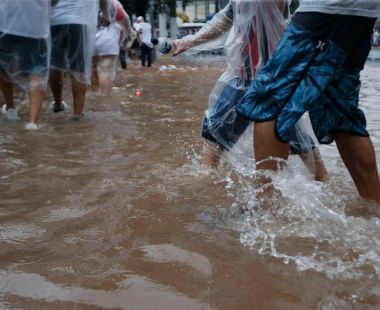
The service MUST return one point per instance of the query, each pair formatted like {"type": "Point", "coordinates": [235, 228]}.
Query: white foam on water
{"type": "Point", "coordinates": [66, 213]}
{"type": "Point", "coordinates": [303, 222]}
{"type": "Point", "coordinates": [19, 232]}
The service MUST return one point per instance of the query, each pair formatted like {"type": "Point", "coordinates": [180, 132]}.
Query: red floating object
{"type": "Point", "coordinates": [138, 93]}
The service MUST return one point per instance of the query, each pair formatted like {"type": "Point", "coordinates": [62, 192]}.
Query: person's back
{"type": "Point", "coordinates": [144, 30]}
{"type": "Point", "coordinates": [24, 53]}
{"type": "Point", "coordinates": [144, 36]}
{"type": "Point", "coordinates": [25, 18]}
{"type": "Point", "coordinates": [257, 26]}
{"type": "Point", "coordinates": [368, 8]}
{"type": "Point", "coordinates": [73, 28]}
{"type": "Point", "coordinates": [73, 12]}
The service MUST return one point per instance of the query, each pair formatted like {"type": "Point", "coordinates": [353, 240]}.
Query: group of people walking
{"type": "Point", "coordinates": [275, 74]}
{"type": "Point", "coordinates": [42, 39]}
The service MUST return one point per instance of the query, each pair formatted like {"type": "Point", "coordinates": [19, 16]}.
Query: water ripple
{"type": "Point", "coordinates": [19, 233]}
{"type": "Point", "coordinates": [66, 213]}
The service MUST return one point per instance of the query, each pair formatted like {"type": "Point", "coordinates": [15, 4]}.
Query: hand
{"type": "Point", "coordinates": [104, 22]}
{"type": "Point", "coordinates": [132, 35]}
{"type": "Point", "coordinates": [181, 46]}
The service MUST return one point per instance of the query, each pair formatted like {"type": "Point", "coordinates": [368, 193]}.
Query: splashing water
{"type": "Point", "coordinates": [298, 220]}
{"type": "Point", "coordinates": [118, 212]}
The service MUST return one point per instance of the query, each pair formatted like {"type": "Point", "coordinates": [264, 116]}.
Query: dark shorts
{"type": "Point", "coordinates": [316, 68]}
{"type": "Point", "coordinates": [146, 47]}
{"type": "Point", "coordinates": [68, 47]}
{"type": "Point", "coordinates": [224, 126]}
{"type": "Point", "coordinates": [353, 34]}
{"type": "Point", "coordinates": [221, 124]}
{"type": "Point", "coordinates": [22, 55]}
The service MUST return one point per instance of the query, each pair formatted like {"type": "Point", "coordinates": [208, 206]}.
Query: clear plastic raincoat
{"type": "Point", "coordinates": [73, 35]}
{"type": "Point", "coordinates": [108, 41]}
{"type": "Point", "coordinates": [249, 31]}
{"type": "Point", "coordinates": [25, 42]}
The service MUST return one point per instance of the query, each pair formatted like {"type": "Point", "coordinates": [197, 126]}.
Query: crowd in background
{"type": "Point", "coordinates": [43, 39]}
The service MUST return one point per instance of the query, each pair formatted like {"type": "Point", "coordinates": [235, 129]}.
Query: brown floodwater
{"type": "Point", "coordinates": [115, 211]}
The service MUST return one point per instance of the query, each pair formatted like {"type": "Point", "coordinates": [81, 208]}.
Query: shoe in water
{"type": "Point", "coordinates": [32, 126]}
{"type": "Point", "coordinates": [123, 64]}
{"type": "Point", "coordinates": [77, 117]}
{"type": "Point", "coordinates": [10, 114]}
{"type": "Point", "coordinates": [54, 108]}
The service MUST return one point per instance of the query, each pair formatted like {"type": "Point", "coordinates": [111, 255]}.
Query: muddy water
{"type": "Point", "coordinates": [115, 212]}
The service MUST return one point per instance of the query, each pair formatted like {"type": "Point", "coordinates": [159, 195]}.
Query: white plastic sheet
{"type": "Point", "coordinates": [25, 42]}
{"type": "Point", "coordinates": [249, 31]}
{"type": "Point", "coordinates": [74, 12]}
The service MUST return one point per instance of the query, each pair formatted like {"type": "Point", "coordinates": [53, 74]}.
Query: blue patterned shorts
{"type": "Point", "coordinates": [314, 73]}
{"type": "Point", "coordinates": [224, 126]}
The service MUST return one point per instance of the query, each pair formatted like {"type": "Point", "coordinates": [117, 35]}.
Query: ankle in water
{"type": "Point", "coordinates": [58, 108]}
{"type": "Point", "coordinates": [77, 117]}
{"type": "Point", "coordinates": [32, 126]}
{"type": "Point", "coordinates": [10, 114]}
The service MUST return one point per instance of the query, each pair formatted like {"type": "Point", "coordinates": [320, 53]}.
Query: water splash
{"type": "Point", "coordinates": [304, 222]}
{"type": "Point", "coordinates": [295, 219]}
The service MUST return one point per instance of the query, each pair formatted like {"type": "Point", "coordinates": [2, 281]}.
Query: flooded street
{"type": "Point", "coordinates": [115, 211]}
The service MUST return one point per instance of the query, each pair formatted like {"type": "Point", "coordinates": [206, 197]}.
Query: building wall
{"type": "Point", "coordinates": [200, 10]}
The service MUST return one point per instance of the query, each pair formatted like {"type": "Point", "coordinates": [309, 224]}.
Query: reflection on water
{"type": "Point", "coordinates": [116, 211]}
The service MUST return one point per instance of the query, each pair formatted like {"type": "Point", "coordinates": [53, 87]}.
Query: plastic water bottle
{"type": "Point", "coordinates": [164, 45]}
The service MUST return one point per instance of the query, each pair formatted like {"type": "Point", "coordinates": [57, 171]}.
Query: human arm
{"type": "Point", "coordinates": [126, 24]}
{"type": "Point", "coordinates": [104, 6]}
{"type": "Point", "coordinates": [122, 18]}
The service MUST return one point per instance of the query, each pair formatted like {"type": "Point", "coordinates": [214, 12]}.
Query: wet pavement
{"type": "Point", "coordinates": [115, 211]}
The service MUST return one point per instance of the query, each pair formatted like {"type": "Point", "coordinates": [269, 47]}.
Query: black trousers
{"type": "Point", "coordinates": [146, 55]}
{"type": "Point", "coordinates": [123, 58]}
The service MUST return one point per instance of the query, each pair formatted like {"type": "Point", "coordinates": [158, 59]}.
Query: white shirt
{"type": "Point", "coordinates": [145, 31]}
{"type": "Point", "coordinates": [107, 40]}
{"type": "Point", "coordinates": [27, 18]}
{"type": "Point", "coordinates": [74, 12]}
{"type": "Point", "coordinates": [367, 8]}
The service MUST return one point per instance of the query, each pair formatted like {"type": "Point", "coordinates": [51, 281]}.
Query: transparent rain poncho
{"type": "Point", "coordinates": [85, 14]}
{"type": "Point", "coordinates": [108, 40]}
{"type": "Point", "coordinates": [25, 42]}
{"type": "Point", "coordinates": [248, 30]}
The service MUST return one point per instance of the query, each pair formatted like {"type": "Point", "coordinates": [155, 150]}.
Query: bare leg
{"type": "Point", "coordinates": [315, 164]}
{"type": "Point", "coordinates": [35, 101]}
{"type": "Point", "coordinates": [105, 83]}
{"type": "Point", "coordinates": [94, 75]}
{"type": "Point", "coordinates": [79, 96]}
{"type": "Point", "coordinates": [267, 145]}
{"type": "Point", "coordinates": [7, 89]}
{"type": "Point", "coordinates": [106, 71]}
{"type": "Point", "coordinates": [321, 173]}
{"type": "Point", "coordinates": [56, 83]}
{"type": "Point", "coordinates": [358, 155]}
{"type": "Point", "coordinates": [211, 154]}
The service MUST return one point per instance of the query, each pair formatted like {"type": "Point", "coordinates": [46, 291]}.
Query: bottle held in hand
{"type": "Point", "coordinates": [164, 45]}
